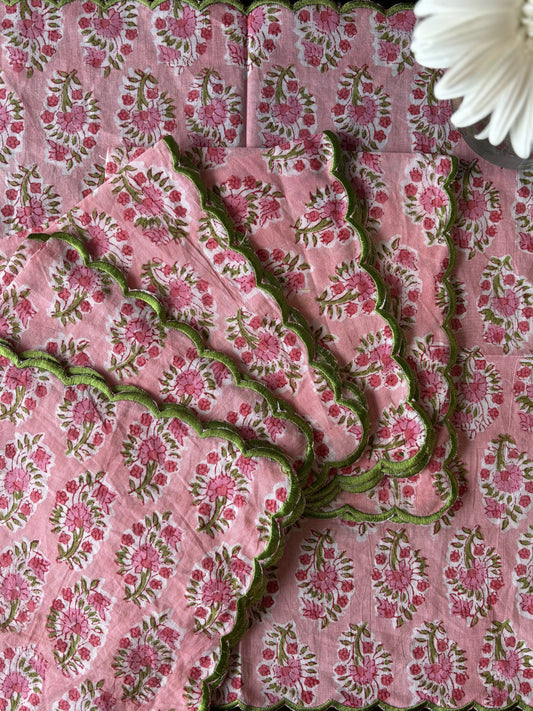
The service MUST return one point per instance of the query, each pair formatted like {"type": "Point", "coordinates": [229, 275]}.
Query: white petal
{"type": "Point", "coordinates": [522, 131]}
{"type": "Point", "coordinates": [441, 7]}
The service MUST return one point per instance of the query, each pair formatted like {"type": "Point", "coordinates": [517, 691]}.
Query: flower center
{"type": "Point", "coordinates": [527, 17]}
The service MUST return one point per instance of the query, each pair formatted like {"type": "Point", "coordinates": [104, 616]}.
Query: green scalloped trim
{"type": "Point", "coordinates": [289, 513]}
{"type": "Point", "coordinates": [268, 284]}
{"type": "Point", "coordinates": [396, 513]}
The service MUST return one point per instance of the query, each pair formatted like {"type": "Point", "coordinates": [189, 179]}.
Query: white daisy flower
{"type": "Point", "coordinates": [487, 47]}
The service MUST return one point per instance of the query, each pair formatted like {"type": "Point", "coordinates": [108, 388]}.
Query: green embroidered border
{"type": "Point", "coordinates": [269, 285]}
{"type": "Point", "coordinates": [289, 513]}
{"type": "Point", "coordinates": [396, 513]}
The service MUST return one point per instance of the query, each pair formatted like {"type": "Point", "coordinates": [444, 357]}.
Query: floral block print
{"type": "Point", "coordinates": [196, 380]}
{"type": "Point", "coordinates": [324, 35]}
{"type": "Point", "coordinates": [214, 587]}
{"type": "Point", "coordinates": [250, 203]}
{"type": "Point", "coordinates": [506, 666]}
{"type": "Point", "coordinates": [87, 417]}
{"type": "Point", "coordinates": [362, 112]}
{"type": "Point", "coordinates": [325, 576]}
{"type": "Point", "coordinates": [479, 210]}
{"type": "Point", "coordinates": [81, 518]}
{"type": "Point", "coordinates": [295, 158]}
{"type": "Point", "coordinates": [429, 119]}
{"type": "Point", "coordinates": [523, 392]}
{"type": "Point", "coordinates": [71, 120]}
{"type": "Point", "coordinates": [373, 367]}
{"type": "Point", "coordinates": [146, 112]}
{"type": "Point", "coordinates": [251, 38]}
{"type": "Point", "coordinates": [290, 269]}
{"type": "Point", "coordinates": [428, 358]}
{"type": "Point", "coordinates": [21, 392]}
{"type": "Point", "coordinates": [438, 670]}
{"type": "Point", "coordinates": [399, 265]}
{"type": "Point", "coordinates": [523, 574]}
{"type": "Point", "coordinates": [29, 204]}
{"type": "Point", "coordinates": [32, 33]}
{"type": "Point", "coordinates": [193, 689]}
{"type": "Point", "coordinates": [287, 111]}
{"type": "Point", "coordinates": [288, 669]}
{"type": "Point", "coordinates": [399, 578]}
{"type": "Point", "coordinates": [443, 295]}
{"type": "Point", "coordinates": [23, 571]}
{"type": "Point", "coordinates": [11, 122]}
{"type": "Point", "coordinates": [107, 34]}
{"type": "Point", "coordinates": [322, 223]}
{"type": "Point", "coordinates": [146, 657]}
{"type": "Point", "coordinates": [219, 488]}
{"type": "Point", "coordinates": [505, 305]}
{"type": "Point", "coordinates": [367, 178]}
{"type": "Point", "coordinates": [479, 392]}
{"type": "Point", "coordinates": [228, 693]}
{"type": "Point", "coordinates": [88, 696]}
{"type": "Point", "coordinates": [148, 557]}
{"type": "Point", "coordinates": [213, 112]}
{"type": "Point", "coordinates": [364, 668]}
{"type": "Point", "coordinates": [522, 211]}
{"type": "Point", "coordinates": [391, 36]}
{"type": "Point", "coordinates": [77, 623]}
{"type": "Point", "coordinates": [426, 200]}
{"type": "Point", "coordinates": [506, 481]}
{"type": "Point", "coordinates": [473, 576]}
{"type": "Point", "coordinates": [16, 311]}
{"type": "Point", "coordinates": [22, 675]}
{"type": "Point", "coordinates": [25, 464]}
{"type": "Point", "coordinates": [181, 33]}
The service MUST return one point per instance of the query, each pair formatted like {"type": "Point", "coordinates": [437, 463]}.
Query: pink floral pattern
{"type": "Point", "coordinates": [374, 367]}
{"type": "Point", "coordinates": [429, 119]}
{"type": "Point", "coordinates": [148, 557]}
{"type": "Point", "coordinates": [523, 574]}
{"type": "Point", "coordinates": [523, 392]}
{"type": "Point", "coordinates": [505, 666]}
{"type": "Point", "coordinates": [25, 464]}
{"type": "Point", "coordinates": [77, 623]}
{"type": "Point", "coordinates": [23, 570]}
{"type": "Point", "coordinates": [29, 204]}
{"type": "Point", "coordinates": [186, 297]}
{"type": "Point", "coordinates": [32, 33]}
{"type": "Point", "coordinates": [151, 451]}
{"type": "Point", "coordinates": [478, 209]}
{"type": "Point", "coordinates": [391, 35]}
{"type": "Point", "coordinates": [428, 359]}
{"type": "Point", "coordinates": [399, 577]}
{"type": "Point", "coordinates": [182, 33]}
{"type": "Point", "coordinates": [505, 305]}
{"type": "Point", "coordinates": [11, 122]}
{"type": "Point", "coordinates": [324, 34]}
{"type": "Point", "coordinates": [71, 120]}
{"type": "Point", "coordinates": [473, 576]}
{"type": "Point", "coordinates": [366, 175]}
{"type": "Point", "coordinates": [220, 487]}
{"type": "Point", "coordinates": [364, 667]}
{"type": "Point", "coordinates": [289, 268]}
{"type": "Point", "coordinates": [213, 111]}
{"type": "Point", "coordinates": [146, 657]}
{"type": "Point", "coordinates": [400, 434]}
{"type": "Point", "coordinates": [215, 584]}
{"type": "Point", "coordinates": [506, 481]}
{"type": "Point", "coordinates": [426, 201]}
{"type": "Point", "coordinates": [362, 112]}
{"type": "Point", "coordinates": [286, 110]}
{"type": "Point", "coordinates": [22, 675]}
{"type": "Point", "coordinates": [251, 38]}
{"type": "Point", "coordinates": [21, 391]}
{"type": "Point", "coordinates": [288, 669]}
{"type": "Point", "coordinates": [399, 266]}
{"type": "Point", "coordinates": [352, 292]}
{"type": "Point", "coordinates": [87, 417]}
{"type": "Point", "coordinates": [296, 157]}
{"type": "Point", "coordinates": [323, 223]}
{"type": "Point", "coordinates": [479, 392]}
{"type": "Point", "coordinates": [522, 210]}
{"type": "Point", "coordinates": [81, 518]}
{"type": "Point", "coordinates": [325, 578]}
{"type": "Point", "coordinates": [88, 696]}
{"type": "Point", "coordinates": [438, 669]}
{"type": "Point", "coordinates": [192, 381]}
{"type": "Point", "coordinates": [107, 34]}
{"type": "Point", "coordinates": [250, 203]}
{"type": "Point", "coordinates": [147, 113]}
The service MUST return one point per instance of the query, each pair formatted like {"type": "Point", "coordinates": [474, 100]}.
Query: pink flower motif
{"type": "Point", "coordinates": [364, 112]}
{"type": "Point", "coordinates": [99, 241]}
{"type": "Point", "coordinates": [255, 20]}
{"type": "Point", "coordinates": [287, 113]}
{"type": "Point", "coordinates": [72, 121]}
{"type": "Point", "coordinates": [325, 579]}
{"type": "Point", "coordinates": [509, 479]}
{"type": "Point", "coordinates": [237, 207]}
{"type": "Point", "coordinates": [213, 114]}
{"type": "Point", "coordinates": [440, 671]}
{"type": "Point", "coordinates": [189, 384]}
{"type": "Point", "coordinates": [221, 486]}
{"type": "Point", "coordinates": [399, 579]}
{"type": "Point", "coordinates": [32, 215]}
{"type": "Point", "coordinates": [473, 578]}
{"type": "Point", "coordinates": [142, 657]}
{"type": "Point", "coordinates": [180, 294]}
{"type": "Point", "coordinates": [474, 208]}
{"type": "Point", "coordinates": [15, 587]}
{"type": "Point", "coordinates": [146, 120]}
{"type": "Point", "coordinates": [74, 622]}
{"type": "Point", "coordinates": [79, 516]}
{"type": "Point", "coordinates": [326, 20]}
{"type": "Point", "coordinates": [153, 449]}
{"type": "Point", "coordinates": [184, 26]}
{"type": "Point", "coordinates": [506, 305]}
{"type": "Point", "coordinates": [15, 683]}
{"type": "Point", "coordinates": [288, 674]}
{"type": "Point", "coordinates": [476, 389]}
{"type": "Point", "coordinates": [84, 411]}
{"type": "Point", "coordinates": [153, 202]}
{"type": "Point", "coordinates": [145, 557]}
{"type": "Point", "coordinates": [5, 118]}
{"type": "Point", "coordinates": [94, 57]}
{"type": "Point", "coordinates": [364, 673]}
{"type": "Point", "coordinates": [109, 27]}
{"type": "Point", "coordinates": [217, 592]}
{"type": "Point", "coordinates": [509, 668]}
{"type": "Point", "coordinates": [83, 278]}
{"type": "Point", "coordinates": [409, 429]}
{"type": "Point", "coordinates": [139, 330]}
{"type": "Point", "coordinates": [267, 348]}
{"type": "Point", "coordinates": [16, 480]}
{"type": "Point", "coordinates": [432, 198]}
{"type": "Point", "coordinates": [32, 26]}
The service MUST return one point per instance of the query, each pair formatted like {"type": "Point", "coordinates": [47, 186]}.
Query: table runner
{"type": "Point", "coordinates": [398, 635]}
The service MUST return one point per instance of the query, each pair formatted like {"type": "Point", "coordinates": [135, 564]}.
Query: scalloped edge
{"type": "Point", "coordinates": [291, 319]}
{"type": "Point", "coordinates": [289, 512]}
{"type": "Point", "coordinates": [396, 513]}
